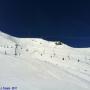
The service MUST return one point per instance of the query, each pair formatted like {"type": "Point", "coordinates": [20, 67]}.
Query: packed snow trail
{"type": "Point", "coordinates": [34, 74]}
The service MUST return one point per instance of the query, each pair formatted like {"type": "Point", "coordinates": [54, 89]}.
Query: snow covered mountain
{"type": "Point", "coordinates": [37, 64]}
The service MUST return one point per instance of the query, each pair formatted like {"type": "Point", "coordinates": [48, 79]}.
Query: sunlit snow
{"type": "Point", "coordinates": [37, 64]}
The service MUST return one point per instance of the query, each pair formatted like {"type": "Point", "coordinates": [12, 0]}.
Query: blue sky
{"type": "Point", "coordinates": [51, 19]}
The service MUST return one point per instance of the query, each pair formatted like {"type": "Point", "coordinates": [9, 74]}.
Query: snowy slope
{"type": "Point", "coordinates": [37, 75]}
{"type": "Point", "coordinates": [42, 65]}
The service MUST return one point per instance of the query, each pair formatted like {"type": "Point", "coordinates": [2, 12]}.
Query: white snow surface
{"type": "Point", "coordinates": [42, 65]}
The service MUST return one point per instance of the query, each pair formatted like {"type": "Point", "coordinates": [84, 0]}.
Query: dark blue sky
{"type": "Point", "coordinates": [53, 19]}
